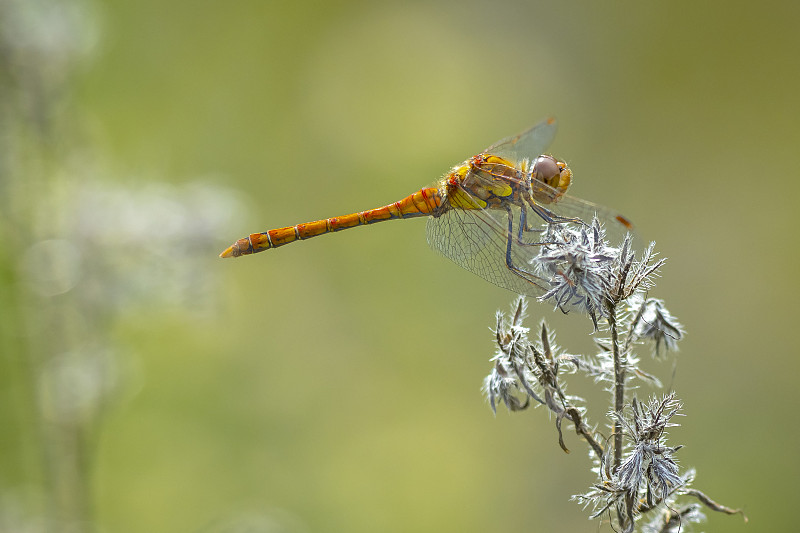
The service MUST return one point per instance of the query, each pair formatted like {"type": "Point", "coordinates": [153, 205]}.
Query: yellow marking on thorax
{"type": "Point", "coordinates": [461, 199]}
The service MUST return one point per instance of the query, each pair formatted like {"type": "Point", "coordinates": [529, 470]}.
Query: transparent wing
{"type": "Point", "coordinates": [615, 224]}
{"type": "Point", "coordinates": [528, 144]}
{"type": "Point", "coordinates": [477, 240]}
{"type": "Point", "coordinates": [499, 244]}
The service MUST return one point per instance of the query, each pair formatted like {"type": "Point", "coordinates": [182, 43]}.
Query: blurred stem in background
{"type": "Point", "coordinates": [40, 44]}
{"type": "Point", "coordinates": [79, 253]}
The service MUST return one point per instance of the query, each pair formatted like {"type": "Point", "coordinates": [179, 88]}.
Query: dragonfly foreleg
{"type": "Point", "coordinates": [551, 218]}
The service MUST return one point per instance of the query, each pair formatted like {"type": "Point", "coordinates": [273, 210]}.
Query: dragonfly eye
{"type": "Point", "coordinates": [551, 178]}
{"type": "Point", "coordinates": [545, 169]}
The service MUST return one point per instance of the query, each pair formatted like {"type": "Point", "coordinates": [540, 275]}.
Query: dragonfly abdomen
{"type": "Point", "coordinates": [424, 202]}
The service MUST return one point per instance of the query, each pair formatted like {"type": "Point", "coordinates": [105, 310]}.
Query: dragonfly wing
{"type": "Point", "coordinates": [477, 240]}
{"type": "Point", "coordinates": [528, 144]}
{"type": "Point", "coordinates": [615, 224]}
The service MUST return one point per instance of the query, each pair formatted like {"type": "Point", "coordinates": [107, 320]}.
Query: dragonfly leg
{"type": "Point", "coordinates": [524, 274]}
{"type": "Point", "coordinates": [551, 218]}
{"type": "Point", "coordinates": [524, 227]}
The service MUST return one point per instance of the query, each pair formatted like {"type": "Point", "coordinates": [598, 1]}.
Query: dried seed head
{"type": "Point", "coordinates": [578, 263]}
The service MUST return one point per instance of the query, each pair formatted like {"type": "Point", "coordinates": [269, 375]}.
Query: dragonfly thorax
{"type": "Point", "coordinates": [545, 179]}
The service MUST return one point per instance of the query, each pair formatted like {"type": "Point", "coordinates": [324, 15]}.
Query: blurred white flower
{"type": "Point", "coordinates": [118, 246]}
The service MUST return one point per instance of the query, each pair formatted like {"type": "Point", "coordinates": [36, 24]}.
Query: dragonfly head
{"type": "Point", "coordinates": [550, 179]}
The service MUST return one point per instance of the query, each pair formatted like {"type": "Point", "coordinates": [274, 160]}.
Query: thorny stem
{"type": "Point", "coordinates": [582, 430]}
{"type": "Point", "coordinates": [674, 516]}
{"type": "Point", "coordinates": [570, 411]}
{"type": "Point", "coordinates": [711, 504]}
{"type": "Point", "coordinates": [551, 377]}
{"type": "Point", "coordinates": [619, 385]}
{"type": "Point", "coordinates": [619, 401]}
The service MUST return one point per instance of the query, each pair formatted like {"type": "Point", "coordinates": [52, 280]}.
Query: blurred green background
{"type": "Point", "coordinates": [146, 385]}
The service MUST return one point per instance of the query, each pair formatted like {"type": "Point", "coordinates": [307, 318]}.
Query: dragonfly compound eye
{"type": "Point", "coordinates": [545, 169]}
{"type": "Point", "coordinates": [551, 178]}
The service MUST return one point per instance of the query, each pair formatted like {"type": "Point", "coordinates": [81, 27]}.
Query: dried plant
{"type": "Point", "coordinates": [638, 475]}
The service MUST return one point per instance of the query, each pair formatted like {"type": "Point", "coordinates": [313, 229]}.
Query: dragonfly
{"type": "Point", "coordinates": [479, 213]}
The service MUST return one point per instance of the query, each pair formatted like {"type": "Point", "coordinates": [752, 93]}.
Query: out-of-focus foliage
{"type": "Point", "coordinates": [334, 385]}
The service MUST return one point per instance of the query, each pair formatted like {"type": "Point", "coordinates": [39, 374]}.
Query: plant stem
{"type": "Point", "coordinates": [619, 385]}
{"type": "Point", "coordinates": [625, 512]}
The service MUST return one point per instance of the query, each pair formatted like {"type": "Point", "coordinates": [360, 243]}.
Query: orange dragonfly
{"type": "Point", "coordinates": [478, 213]}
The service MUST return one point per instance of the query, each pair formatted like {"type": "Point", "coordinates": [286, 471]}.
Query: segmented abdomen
{"type": "Point", "coordinates": [424, 202]}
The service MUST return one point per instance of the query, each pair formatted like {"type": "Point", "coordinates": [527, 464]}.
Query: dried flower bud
{"type": "Point", "coordinates": [654, 322]}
